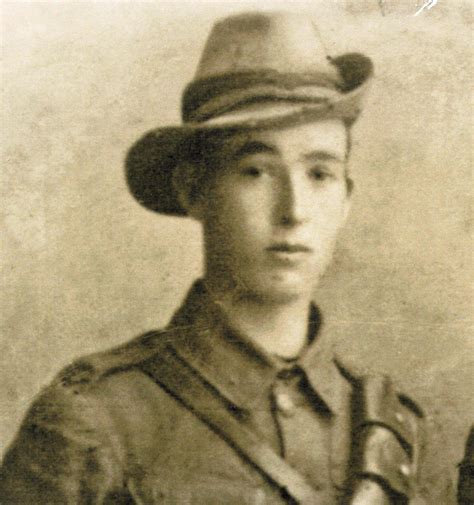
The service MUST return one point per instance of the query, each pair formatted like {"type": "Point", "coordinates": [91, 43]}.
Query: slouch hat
{"type": "Point", "coordinates": [257, 70]}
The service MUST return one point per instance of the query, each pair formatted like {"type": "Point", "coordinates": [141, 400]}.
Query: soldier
{"type": "Point", "coordinates": [241, 399]}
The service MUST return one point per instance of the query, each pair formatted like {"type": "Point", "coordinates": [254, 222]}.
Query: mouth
{"type": "Point", "coordinates": [288, 248]}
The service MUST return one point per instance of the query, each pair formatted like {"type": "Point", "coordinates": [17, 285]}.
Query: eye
{"type": "Point", "coordinates": [319, 174]}
{"type": "Point", "coordinates": [251, 171]}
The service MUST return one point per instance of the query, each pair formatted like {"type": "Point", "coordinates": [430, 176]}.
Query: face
{"type": "Point", "coordinates": [274, 208]}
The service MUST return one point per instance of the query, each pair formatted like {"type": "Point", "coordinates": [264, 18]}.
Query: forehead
{"type": "Point", "coordinates": [326, 137]}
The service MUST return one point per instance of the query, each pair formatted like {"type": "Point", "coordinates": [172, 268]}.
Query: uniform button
{"type": "Point", "coordinates": [405, 470]}
{"type": "Point", "coordinates": [284, 403]}
{"type": "Point", "coordinates": [399, 417]}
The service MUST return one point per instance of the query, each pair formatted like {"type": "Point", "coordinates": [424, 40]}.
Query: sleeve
{"type": "Point", "coordinates": [62, 453]}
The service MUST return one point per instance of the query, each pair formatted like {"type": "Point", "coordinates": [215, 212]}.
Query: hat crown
{"type": "Point", "coordinates": [283, 42]}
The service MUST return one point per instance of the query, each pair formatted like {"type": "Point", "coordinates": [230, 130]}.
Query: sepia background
{"type": "Point", "coordinates": [84, 267]}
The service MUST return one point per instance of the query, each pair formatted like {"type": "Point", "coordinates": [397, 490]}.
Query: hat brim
{"type": "Point", "coordinates": [151, 161]}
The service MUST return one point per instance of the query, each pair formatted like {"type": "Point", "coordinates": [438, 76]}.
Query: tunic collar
{"type": "Point", "coordinates": [236, 367]}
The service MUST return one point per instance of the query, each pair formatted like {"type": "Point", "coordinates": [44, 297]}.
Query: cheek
{"type": "Point", "coordinates": [241, 212]}
{"type": "Point", "coordinates": [331, 207]}
{"type": "Point", "coordinates": [334, 201]}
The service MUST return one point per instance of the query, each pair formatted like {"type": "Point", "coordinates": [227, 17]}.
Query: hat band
{"type": "Point", "coordinates": [206, 98]}
{"type": "Point", "coordinates": [241, 98]}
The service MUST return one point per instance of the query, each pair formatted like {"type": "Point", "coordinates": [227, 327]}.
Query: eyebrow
{"type": "Point", "coordinates": [254, 147]}
{"type": "Point", "coordinates": [321, 156]}
{"type": "Point", "coordinates": [257, 147]}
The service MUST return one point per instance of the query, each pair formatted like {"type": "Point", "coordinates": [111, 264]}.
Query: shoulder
{"type": "Point", "coordinates": [82, 426]}
{"type": "Point", "coordinates": [102, 401]}
{"type": "Point", "coordinates": [88, 370]}
{"type": "Point", "coordinates": [373, 386]}
{"type": "Point", "coordinates": [387, 428]}
{"type": "Point", "coordinates": [448, 404]}
{"type": "Point", "coordinates": [100, 385]}
{"type": "Point", "coordinates": [446, 397]}
{"type": "Point", "coordinates": [440, 406]}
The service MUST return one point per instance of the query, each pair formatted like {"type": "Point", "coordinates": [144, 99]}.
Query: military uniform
{"type": "Point", "coordinates": [111, 429]}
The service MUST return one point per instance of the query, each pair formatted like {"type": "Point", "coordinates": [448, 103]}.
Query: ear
{"type": "Point", "coordinates": [185, 183]}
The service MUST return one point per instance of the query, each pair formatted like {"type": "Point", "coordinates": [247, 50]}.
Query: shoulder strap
{"type": "Point", "coordinates": [183, 383]}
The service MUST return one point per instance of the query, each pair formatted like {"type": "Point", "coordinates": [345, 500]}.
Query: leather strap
{"type": "Point", "coordinates": [183, 383]}
{"type": "Point", "coordinates": [387, 438]}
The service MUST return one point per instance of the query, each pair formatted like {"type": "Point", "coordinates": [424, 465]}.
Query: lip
{"type": "Point", "coordinates": [288, 248]}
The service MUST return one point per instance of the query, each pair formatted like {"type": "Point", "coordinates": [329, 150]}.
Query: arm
{"type": "Point", "coordinates": [61, 454]}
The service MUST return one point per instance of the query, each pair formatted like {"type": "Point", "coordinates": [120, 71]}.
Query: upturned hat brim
{"type": "Point", "coordinates": [151, 161]}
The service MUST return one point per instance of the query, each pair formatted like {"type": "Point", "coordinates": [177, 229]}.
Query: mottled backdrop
{"type": "Point", "coordinates": [84, 267]}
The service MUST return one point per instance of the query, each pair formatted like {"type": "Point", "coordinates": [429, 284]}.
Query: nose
{"type": "Point", "coordinates": [293, 202]}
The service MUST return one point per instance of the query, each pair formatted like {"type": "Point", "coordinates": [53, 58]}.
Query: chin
{"type": "Point", "coordinates": [281, 290]}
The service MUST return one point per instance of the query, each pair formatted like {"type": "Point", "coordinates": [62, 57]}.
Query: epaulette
{"type": "Point", "coordinates": [92, 368]}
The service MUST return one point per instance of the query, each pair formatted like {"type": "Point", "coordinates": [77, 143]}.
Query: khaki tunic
{"type": "Point", "coordinates": [105, 432]}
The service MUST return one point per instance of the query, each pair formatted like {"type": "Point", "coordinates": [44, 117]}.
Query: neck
{"type": "Point", "coordinates": [279, 328]}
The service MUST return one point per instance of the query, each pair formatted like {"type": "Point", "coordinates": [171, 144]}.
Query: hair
{"type": "Point", "coordinates": [199, 158]}
{"type": "Point", "coordinates": [201, 151]}
{"type": "Point", "coordinates": [203, 147]}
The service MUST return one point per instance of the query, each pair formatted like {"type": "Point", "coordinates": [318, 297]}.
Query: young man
{"type": "Point", "coordinates": [241, 399]}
